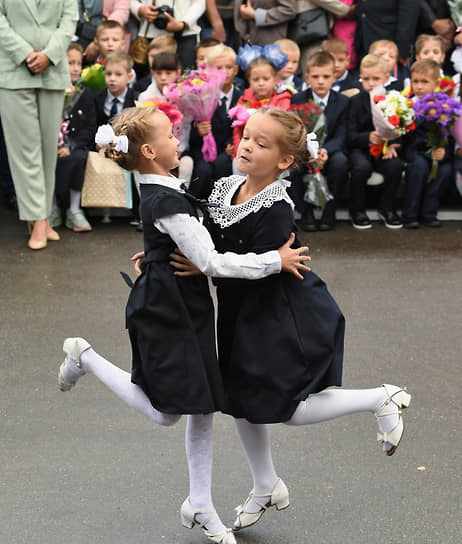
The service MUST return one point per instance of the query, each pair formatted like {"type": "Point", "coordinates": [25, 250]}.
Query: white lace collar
{"type": "Point", "coordinates": [226, 214]}
{"type": "Point", "coordinates": [167, 181]}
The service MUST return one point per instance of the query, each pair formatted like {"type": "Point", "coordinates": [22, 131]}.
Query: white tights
{"type": "Point", "coordinates": [198, 439]}
{"type": "Point", "coordinates": [319, 407]}
{"type": "Point", "coordinates": [119, 382]}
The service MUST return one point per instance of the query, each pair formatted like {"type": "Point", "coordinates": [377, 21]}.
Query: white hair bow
{"type": "Point", "coordinates": [105, 135]}
{"type": "Point", "coordinates": [312, 144]}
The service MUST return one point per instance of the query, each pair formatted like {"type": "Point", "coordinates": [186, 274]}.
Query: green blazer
{"type": "Point", "coordinates": [35, 25]}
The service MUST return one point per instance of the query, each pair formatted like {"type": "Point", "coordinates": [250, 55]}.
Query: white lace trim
{"type": "Point", "coordinates": [227, 214]}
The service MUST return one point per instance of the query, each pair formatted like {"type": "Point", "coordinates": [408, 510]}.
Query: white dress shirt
{"type": "Point", "coordinates": [317, 100]}
{"type": "Point", "coordinates": [195, 242]}
{"type": "Point", "coordinates": [108, 102]}
{"type": "Point", "coordinates": [152, 90]}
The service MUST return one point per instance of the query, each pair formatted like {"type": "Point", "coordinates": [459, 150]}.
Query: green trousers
{"type": "Point", "coordinates": [31, 121]}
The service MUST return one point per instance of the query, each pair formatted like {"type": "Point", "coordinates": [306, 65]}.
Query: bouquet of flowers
{"type": "Point", "coordinates": [93, 77]}
{"type": "Point", "coordinates": [440, 112]}
{"type": "Point", "coordinates": [317, 192]}
{"type": "Point", "coordinates": [446, 85]}
{"type": "Point", "coordinates": [171, 111]}
{"type": "Point", "coordinates": [247, 105]}
{"type": "Point", "coordinates": [393, 116]}
{"type": "Point", "coordinates": [71, 95]}
{"type": "Point", "coordinates": [196, 93]}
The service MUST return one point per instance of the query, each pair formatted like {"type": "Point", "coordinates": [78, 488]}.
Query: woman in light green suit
{"type": "Point", "coordinates": [34, 35]}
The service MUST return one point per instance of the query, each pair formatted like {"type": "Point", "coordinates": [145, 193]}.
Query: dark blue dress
{"type": "Point", "coordinates": [280, 339]}
{"type": "Point", "coordinates": [170, 320]}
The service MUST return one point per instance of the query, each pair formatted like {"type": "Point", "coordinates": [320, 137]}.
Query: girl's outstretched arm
{"type": "Point", "coordinates": [292, 260]}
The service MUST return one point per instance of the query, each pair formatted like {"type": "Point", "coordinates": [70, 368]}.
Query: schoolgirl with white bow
{"type": "Point", "coordinates": [170, 318]}
{"type": "Point", "coordinates": [280, 340]}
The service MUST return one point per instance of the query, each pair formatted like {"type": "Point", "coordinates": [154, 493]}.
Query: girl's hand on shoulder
{"type": "Point", "coordinates": [138, 259]}
{"type": "Point", "coordinates": [292, 259]}
{"type": "Point", "coordinates": [184, 267]}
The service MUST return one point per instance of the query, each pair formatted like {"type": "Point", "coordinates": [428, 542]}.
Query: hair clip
{"type": "Point", "coordinates": [273, 54]}
{"type": "Point", "coordinates": [105, 135]}
{"type": "Point", "coordinates": [247, 54]}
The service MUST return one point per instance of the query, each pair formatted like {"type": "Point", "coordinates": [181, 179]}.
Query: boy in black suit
{"type": "Point", "coordinates": [361, 135]}
{"type": "Point", "coordinates": [421, 199]}
{"type": "Point", "coordinates": [118, 95]}
{"type": "Point", "coordinates": [205, 173]}
{"type": "Point", "coordinates": [287, 74]}
{"type": "Point", "coordinates": [399, 75]}
{"type": "Point", "coordinates": [332, 160]}
{"type": "Point", "coordinates": [344, 79]}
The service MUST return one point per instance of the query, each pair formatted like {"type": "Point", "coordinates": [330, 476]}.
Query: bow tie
{"type": "Point", "coordinates": [199, 201]}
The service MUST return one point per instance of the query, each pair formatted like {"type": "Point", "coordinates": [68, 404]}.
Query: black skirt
{"type": "Point", "coordinates": [170, 320]}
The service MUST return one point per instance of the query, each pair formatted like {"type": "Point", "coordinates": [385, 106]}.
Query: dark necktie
{"type": "Point", "coordinates": [322, 105]}
{"type": "Point", "coordinates": [114, 108]}
{"type": "Point", "coordinates": [222, 107]}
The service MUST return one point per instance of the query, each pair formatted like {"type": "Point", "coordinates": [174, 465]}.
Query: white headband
{"type": "Point", "coordinates": [105, 135]}
{"type": "Point", "coordinates": [312, 144]}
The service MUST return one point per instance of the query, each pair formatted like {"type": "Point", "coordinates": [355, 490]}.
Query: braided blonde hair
{"type": "Point", "coordinates": [138, 126]}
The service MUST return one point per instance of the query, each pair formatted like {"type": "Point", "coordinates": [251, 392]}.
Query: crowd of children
{"type": "Point", "coordinates": [401, 191]}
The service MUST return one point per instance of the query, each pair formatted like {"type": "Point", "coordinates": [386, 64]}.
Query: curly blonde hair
{"type": "Point", "coordinates": [134, 123]}
{"type": "Point", "coordinates": [292, 140]}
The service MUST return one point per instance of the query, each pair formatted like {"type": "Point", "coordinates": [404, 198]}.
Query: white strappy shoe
{"type": "Point", "coordinates": [279, 498]}
{"type": "Point", "coordinates": [400, 398]}
{"type": "Point", "coordinates": [188, 519]}
{"type": "Point", "coordinates": [71, 369]}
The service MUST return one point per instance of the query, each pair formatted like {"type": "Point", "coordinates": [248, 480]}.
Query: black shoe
{"type": "Point", "coordinates": [410, 223]}
{"type": "Point", "coordinates": [308, 222]}
{"type": "Point", "coordinates": [328, 219]}
{"type": "Point", "coordinates": [433, 223]}
{"type": "Point", "coordinates": [360, 221]}
{"type": "Point", "coordinates": [391, 219]}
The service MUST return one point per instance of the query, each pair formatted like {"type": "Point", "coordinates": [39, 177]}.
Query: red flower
{"type": "Point", "coordinates": [411, 126]}
{"type": "Point", "coordinates": [376, 150]}
{"type": "Point", "coordinates": [394, 120]}
{"type": "Point", "coordinates": [378, 98]}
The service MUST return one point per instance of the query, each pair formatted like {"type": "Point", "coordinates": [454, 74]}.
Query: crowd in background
{"type": "Point", "coordinates": [403, 45]}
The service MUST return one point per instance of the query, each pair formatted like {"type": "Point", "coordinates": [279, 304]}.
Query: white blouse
{"type": "Point", "coordinates": [195, 242]}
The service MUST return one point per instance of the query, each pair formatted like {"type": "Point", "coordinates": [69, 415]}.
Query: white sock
{"type": "Point", "coordinates": [334, 403]}
{"type": "Point", "coordinates": [199, 452]}
{"type": "Point", "coordinates": [74, 204]}
{"type": "Point", "coordinates": [255, 440]}
{"type": "Point", "coordinates": [119, 382]}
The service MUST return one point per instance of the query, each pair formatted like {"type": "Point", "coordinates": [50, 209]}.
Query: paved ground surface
{"type": "Point", "coordinates": [82, 468]}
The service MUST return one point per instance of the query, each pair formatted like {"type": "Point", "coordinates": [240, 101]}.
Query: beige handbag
{"type": "Point", "coordinates": [139, 48]}
{"type": "Point", "coordinates": [105, 184]}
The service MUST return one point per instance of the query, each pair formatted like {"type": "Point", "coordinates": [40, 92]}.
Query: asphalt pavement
{"type": "Point", "coordinates": [82, 468]}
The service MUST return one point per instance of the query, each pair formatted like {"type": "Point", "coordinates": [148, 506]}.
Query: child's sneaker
{"type": "Point", "coordinates": [77, 221]}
